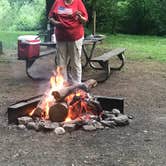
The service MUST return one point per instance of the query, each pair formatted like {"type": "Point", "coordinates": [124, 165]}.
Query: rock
{"type": "Point", "coordinates": [145, 131]}
{"type": "Point", "coordinates": [98, 125]}
{"type": "Point", "coordinates": [33, 126]}
{"type": "Point", "coordinates": [11, 127]}
{"type": "Point", "coordinates": [40, 124]}
{"type": "Point", "coordinates": [55, 124]}
{"type": "Point", "coordinates": [69, 127]}
{"type": "Point", "coordinates": [111, 124]}
{"type": "Point", "coordinates": [46, 125]}
{"type": "Point", "coordinates": [50, 126]}
{"type": "Point", "coordinates": [116, 112]}
{"type": "Point", "coordinates": [110, 117]}
{"type": "Point", "coordinates": [130, 116]}
{"type": "Point", "coordinates": [89, 128]}
{"type": "Point", "coordinates": [108, 114]}
{"type": "Point", "coordinates": [93, 117]}
{"type": "Point", "coordinates": [121, 120]}
{"type": "Point", "coordinates": [59, 130]}
{"type": "Point", "coordinates": [21, 127]}
{"type": "Point", "coordinates": [24, 120]}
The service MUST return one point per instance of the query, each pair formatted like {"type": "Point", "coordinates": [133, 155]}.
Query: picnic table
{"type": "Point", "coordinates": [88, 56]}
{"type": "Point", "coordinates": [101, 62]}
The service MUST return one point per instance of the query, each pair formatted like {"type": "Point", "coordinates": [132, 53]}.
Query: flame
{"type": "Point", "coordinates": [68, 119]}
{"type": "Point", "coordinates": [32, 112]}
{"type": "Point", "coordinates": [52, 82]}
{"type": "Point", "coordinates": [59, 78]}
{"type": "Point", "coordinates": [77, 101]}
{"type": "Point", "coordinates": [57, 81]}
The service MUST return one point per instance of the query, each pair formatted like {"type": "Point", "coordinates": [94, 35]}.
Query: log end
{"type": "Point", "coordinates": [58, 112]}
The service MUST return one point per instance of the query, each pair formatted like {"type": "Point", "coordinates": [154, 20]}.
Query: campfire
{"type": "Point", "coordinates": [64, 102]}
{"type": "Point", "coordinates": [65, 107]}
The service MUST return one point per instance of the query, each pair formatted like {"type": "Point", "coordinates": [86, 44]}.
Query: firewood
{"type": "Point", "coordinates": [95, 107]}
{"type": "Point", "coordinates": [55, 112]}
{"type": "Point", "coordinates": [58, 112]}
{"type": "Point", "coordinates": [38, 112]}
{"type": "Point", "coordinates": [60, 95]}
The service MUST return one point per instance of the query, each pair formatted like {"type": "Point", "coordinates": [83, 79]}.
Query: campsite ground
{"type": "Point", "coordinates": [142, 143]}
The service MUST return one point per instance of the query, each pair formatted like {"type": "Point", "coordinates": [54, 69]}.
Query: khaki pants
{"type": "Point", "coordinates": [69, 57]}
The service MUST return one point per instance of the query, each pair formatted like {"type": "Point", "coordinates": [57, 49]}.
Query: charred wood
{"type": "Point", "coordinates": [61, 94]}
{"type": "Point", "coordinates": [58, 112]}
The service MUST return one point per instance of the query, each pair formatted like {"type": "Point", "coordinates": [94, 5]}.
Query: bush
{"type": "Point", "coordinates": [4, 16]}
{"type": "Point", "coordinates": [22, 16]}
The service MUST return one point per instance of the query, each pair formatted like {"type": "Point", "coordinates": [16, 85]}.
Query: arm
{"type": "Point", "coordinates": [82, 13]}
{"type": "Point", "coordinates": [51, 18]}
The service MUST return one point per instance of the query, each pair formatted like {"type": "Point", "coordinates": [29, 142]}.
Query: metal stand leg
{"type": "Point", "coordinates": [122, 59]}
{"type": "Point", "coordinates": [106, 68]}
{"type": "Point", "coordinates": [29, 63]}
{"type": "Point", "coordinates": [88, 58]}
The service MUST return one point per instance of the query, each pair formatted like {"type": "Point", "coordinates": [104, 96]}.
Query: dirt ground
{"type": "Point", "coordinates": [142, 143]}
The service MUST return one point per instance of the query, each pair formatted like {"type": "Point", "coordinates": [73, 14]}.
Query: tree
{"type": "Point", "coordinates": [4, 10]}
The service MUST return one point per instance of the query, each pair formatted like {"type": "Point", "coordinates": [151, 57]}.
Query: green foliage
{"type": "Point", "coordinates": [129, 16]}
{"type": "Point", "coordinates": [4, 10]}
{"type": "Point", "coordinates": [113, 16]}
{"type": "Point", "coordinates": [22, 15]}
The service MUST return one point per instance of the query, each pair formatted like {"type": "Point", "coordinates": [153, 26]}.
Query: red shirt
{"type": "Point", "coordinates": [72, 29]}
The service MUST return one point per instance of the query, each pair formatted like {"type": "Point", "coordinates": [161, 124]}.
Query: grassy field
{"type": "Point", "coordinates": [9, 39]}
{"type": "Point", "coordinates": [138, 47]}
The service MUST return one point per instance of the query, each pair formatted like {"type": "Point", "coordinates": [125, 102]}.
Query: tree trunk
{"type": "Point", "coordinates": [94, 22]}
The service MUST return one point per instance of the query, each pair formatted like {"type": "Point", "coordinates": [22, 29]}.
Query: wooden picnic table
{"type": "Point", "coordinates": [102, 62]}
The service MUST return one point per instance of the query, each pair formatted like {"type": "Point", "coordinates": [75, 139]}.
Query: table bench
{"type": "Point", "coordinates": [105, 64]}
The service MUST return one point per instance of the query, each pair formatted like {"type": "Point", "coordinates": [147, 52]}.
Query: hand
{"type": "Point", "coordinates": [78, 16]}
{"type": "Point", "coordinates": [55, 22]}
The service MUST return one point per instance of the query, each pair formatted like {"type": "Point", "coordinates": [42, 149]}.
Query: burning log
{"type": "Point", "coordinates": [58, 112]}
{"type": "Point", "coordinates": [95, 107]}
{"type": "Point", "coordinates": [37, 112]}
{"type": "Point", "coordinates": [61, 94]}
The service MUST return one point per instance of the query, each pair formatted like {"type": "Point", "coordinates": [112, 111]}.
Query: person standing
{"type": "Point", "coordinates": [68, 17]}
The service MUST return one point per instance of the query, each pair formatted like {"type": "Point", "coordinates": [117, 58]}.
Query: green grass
{"type": "Point", "coordinates": [139, 47]}
{"type": "Point", "coordinates": [9, 39]}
